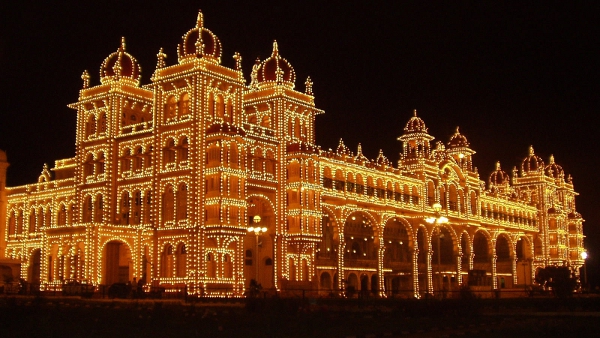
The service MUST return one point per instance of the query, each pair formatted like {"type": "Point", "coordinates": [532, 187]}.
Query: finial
{"type": "Point", "coordinates": [238, 61]}
{"type": "Point", "coordinates": [531, 153]}
{"type": "Point", "coordinates": [254, 74]}
{"type": "Point", "coordinates": [122, 48]}
{"type": "Point", "coordinates": [279, 75]}
{"type": "Point", "coordinates": [415, 113]}
{"type": "Point", "coordinates": [160, 63]}
{"type": "Point", "coordinates": [309, 85]}
{"type": "Point", "coordinates": [498, 165]}
{"type": "Point", "coordinates": [458, 132]}
{"type": "Point", "coordinates": [551, 159]}
{"type": "Point", "coordinates": [275, 48]}
{"type": "Point", "coordinates": [200, 20]}
{"type": "Point", "coordinates": [86, 79]}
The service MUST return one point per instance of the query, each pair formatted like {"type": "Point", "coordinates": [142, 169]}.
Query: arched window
{"type": "Point", "coordinates": [98, 209]}
{"type": "Point", "coordinates": [182, 202]}
{"type": "Point", "coordinates": [12, 221]}
{"type": "Point", "coordinates": [233, 156]}
{"type": "Point", "coordinates": [168, 203]}
{"type": "Point", "coordinates": [125, 207]}
{"type": "Point", "coordinates": [102, 123]}
{"type": "Point", "coordinates": [126, 161]}
{"type": "Point", "coordinates": [229, 114]}
{"type": "Point", "coordinates": [137, 207]}
{"type": "Point", "coordinates": [220, 107]}
{"type": "Point", "coordinates": [167, 261]}
{"type": "Point", "coordinates": [181, 263]}
{"type": "Point", "coordinates": [88, 166]}
{"type": "Point", "coordinates": [87, 209]}
{"type": "Point", "coordinates": [62, 215]}
{"type": "Point", "coordinates": [211, 104]}
{"type": "Point", "coordinates": [169, 151]}
{"type": "Point", "coordinates": [184, 104]}
{"type": "Point", "coordinates": [138, 160]}
{"type": "Point", "coordinates": [91, 126]}
{"type": "Point", "coordinates": [183, 149]}
{"type": "Point", "coordinates": [147, 206]}
{"type": "Point", "coordinates": [170, 108]}
{"type": "Point", "coordinates": [32, 221]}
{"type": "Point", "coordinates": [100, 164]}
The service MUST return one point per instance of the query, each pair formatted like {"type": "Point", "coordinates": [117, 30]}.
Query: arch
{"type": "Point", "coordinates": [168, 203]}
{"type": "Point", "coordinates": [481, 247]}
{"type": "Point", "coordinates": [170, 107]}
{"type": "Point", "coordinates": [167, 262]}
{"type": "Point", "coordinates": [88, 209]}
{"type": "Point", "coordinates": [90, 126]}
{"type": "Point", "coordinates": [117, 262]}
{"type": "Point", "coordinates": [34, 270]}
{"type": "Point", "coordinates": [181, 260]}
{"type": "Point", "coordinates": [325, 281]}
{"type": "Point", "coordinates": [182, 201]}
{"type": "Point", "coordinates": [183, 104]}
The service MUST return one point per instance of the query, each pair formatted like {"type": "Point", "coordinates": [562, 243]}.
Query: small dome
{"type": "Point", "coordinates": [415, 125]}
{"type": "Point", "coordinates": [276, 69]}
{"type": "Point", "coordinates": [199, 42]}
{"type": "Point", "coordinates": [3, 157]}
{"type": "Point", "coordinates": [553, 169]}
{"type": "Point", "coordinates": [458, 140]}
{"type": "Point", "coordinates": [120, 65]}
{"type": "Point", "coordinates": [532, 162]}
{"type": "Point", "coordinates": [499, 176]}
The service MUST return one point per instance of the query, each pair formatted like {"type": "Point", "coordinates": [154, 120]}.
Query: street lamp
{"type": "Point", "coordinates": [584, 256]}
{"type": "Point", "coordinates": [257, 230]}
{"type": "Point", "coordinates": [438, 219]}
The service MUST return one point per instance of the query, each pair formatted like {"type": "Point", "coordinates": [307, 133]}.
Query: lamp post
{"type": "Point", "coordinates": [435, 220]}
{"type": "Point", "coordinates": [584, 256]}
{"type": "Point", "coordinates": [257, 230]}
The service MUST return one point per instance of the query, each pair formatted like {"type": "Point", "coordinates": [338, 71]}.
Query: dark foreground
{"type": "Point", "coordinates": [74, 317]}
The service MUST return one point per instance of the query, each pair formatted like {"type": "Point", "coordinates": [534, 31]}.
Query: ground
{"type": "Point", "coordinates": [75, 317]}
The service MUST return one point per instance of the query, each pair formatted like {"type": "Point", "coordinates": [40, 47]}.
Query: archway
{"type": "Point", "coordinates": [34, 276]}
{"type": "Point", "coordinates": [481, 261]}
{"type": "Point", "coordinates": [118, 264]}
{"type": "Point", "coordinates": [524, 260]}
{"type": "Point", "coordinates": [260, 245]}
{"type": "Point", "coordinates": [504, 262]}
{"type": "Point", "coordinates": [442, 261]}
{"type": "Point", "coordinates": [397, 258]}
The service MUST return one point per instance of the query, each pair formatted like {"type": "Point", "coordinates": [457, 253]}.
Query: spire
{"type": "Point", "coordinates": [309, 85]}
{"type": "Point", "coordinates": [551, 159]}
{"type": "Point", "coordinates": [531, 153]}
{"type": "Point", "coordinates": [86, 79]}
{"type": "Point", "coordinates": [200, 20]}
{"type": "Point", "coordinates": [122, 47]}
{"type": "Point", "coordinates": [498, 165]}
{"type": "Point", "coordinates": [415, 113]}
{"type": "Point", "coordinates": [238, 61]}
{"type": "Point", "coordinates": [275, 48]}
{"type": "Point", "coordinates": [160, 62]}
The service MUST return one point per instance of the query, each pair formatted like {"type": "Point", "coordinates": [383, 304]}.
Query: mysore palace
{"type": "Point", "coordinates": [204, 179]}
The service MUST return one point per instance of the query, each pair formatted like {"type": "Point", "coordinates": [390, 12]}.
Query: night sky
{"type": "Point", "coordinates": [510, 75]}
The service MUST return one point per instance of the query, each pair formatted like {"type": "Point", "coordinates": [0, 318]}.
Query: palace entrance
{"type": "Point", "coordinates": [118, 264]}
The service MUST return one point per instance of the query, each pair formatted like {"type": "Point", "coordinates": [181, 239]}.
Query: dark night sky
{"type": "Point", "coordinates": [509, 74]}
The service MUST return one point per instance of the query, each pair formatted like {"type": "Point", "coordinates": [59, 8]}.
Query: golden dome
{"type": "Point", "coordinates": [120, 65]}
{"type": "Point", "coordinates": [199, 42]}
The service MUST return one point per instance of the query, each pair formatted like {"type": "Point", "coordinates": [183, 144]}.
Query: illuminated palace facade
{"type": "Point", "coordinates": [168, 177]}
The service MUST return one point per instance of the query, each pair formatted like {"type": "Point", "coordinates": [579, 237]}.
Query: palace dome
{"type": "Point", "coordinates": [499, 176]}
{"type": "Point", "coordinates": [276, 69]}
{"type": "Point", "coordinates": [532, 162]}
{"type": "Point", "coordinates": [458, 140]}
{"type": "Point", "coordinates": [120, 65]}
{"type": "Point", "coordinates": [415, 125]}
{"type": "Point", "coordinates": [199, 42]}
